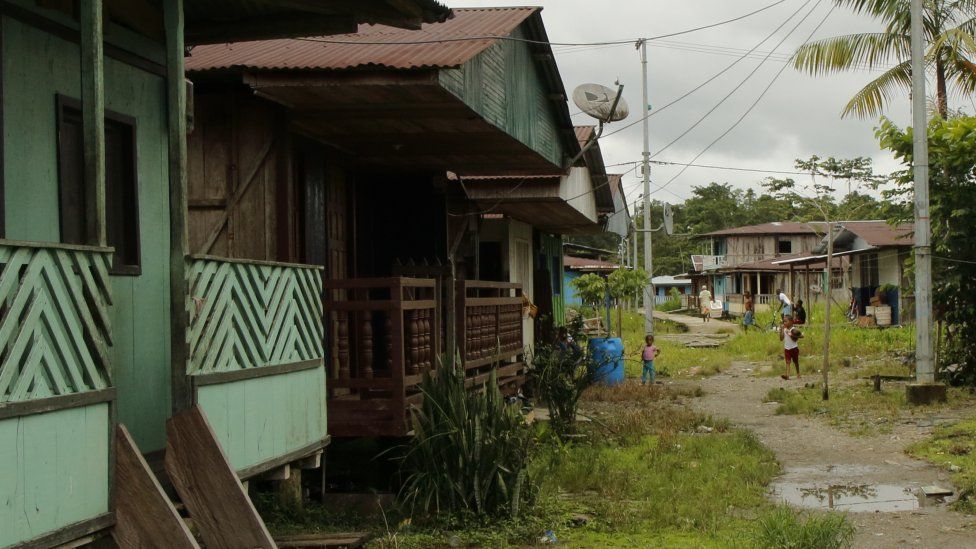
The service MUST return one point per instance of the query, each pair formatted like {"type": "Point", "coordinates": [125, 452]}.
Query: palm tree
{"type": "Point", "coordinates": [950, 26]}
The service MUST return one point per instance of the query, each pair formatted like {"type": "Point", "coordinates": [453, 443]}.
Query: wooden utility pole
{"type": "Point", "coordinates": [827, 288]}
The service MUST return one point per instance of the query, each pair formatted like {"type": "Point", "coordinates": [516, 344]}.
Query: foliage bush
{"type": "Point", "coordinates": [469, 453]}
{"type": "Point", "coordinates": [560, 375]}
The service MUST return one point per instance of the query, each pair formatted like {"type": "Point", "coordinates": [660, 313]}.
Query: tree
{"type": "Point", "coordinates": [949, 29]}
{"type": "Point", "coordinates": [622, 284]}
{"type": "Point", "coordinates": [952, 189]}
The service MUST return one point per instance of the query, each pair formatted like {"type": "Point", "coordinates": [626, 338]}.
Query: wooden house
{"type": "Point", "coordinates": [354, 155]}
{"type": "Point", "coordinates": [106, 320]}
{"type": "Point", "coordinates": [874, 254]}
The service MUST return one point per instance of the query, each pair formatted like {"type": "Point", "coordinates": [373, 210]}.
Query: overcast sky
{"type": "Point", "coordinates": [798, 117]}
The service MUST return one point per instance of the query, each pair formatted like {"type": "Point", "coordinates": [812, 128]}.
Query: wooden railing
{"type": "Point", "coordinates": [384, 336]}
{"type": "Point", "coordinates": [249, 314]}
{"type": "Point", "coordinates": [489, 331]}
{"type": "Point", "coordinates": [54, 320]}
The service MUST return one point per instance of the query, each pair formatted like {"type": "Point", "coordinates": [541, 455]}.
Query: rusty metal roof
{"type": "Point", "coordinates": [776, 227]}
{"type": "Point", "coordinates": [372, 46]}
{"type": "Point", "coordinates": [881, 234]}
{"type": "Point", "coordinates": [585, 264]}
{"type": "Point", "coordinates": [232, 10]}
{"type": "Point", "coordinates": [584, 133]}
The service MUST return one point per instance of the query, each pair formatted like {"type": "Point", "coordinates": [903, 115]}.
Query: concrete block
{"type": "Point", "coordinates": [925, 393]}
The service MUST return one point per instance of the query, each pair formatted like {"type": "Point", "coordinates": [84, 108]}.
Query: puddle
{"type": "Point", "coordinates": [835, 470]}
{"type": "Point", "coordinates": [858, 498]}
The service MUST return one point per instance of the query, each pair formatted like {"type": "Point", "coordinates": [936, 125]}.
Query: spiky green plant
{"type": "Point", "coordinates": [950, 26]}
{"type": "Point", "coordinates": [469, 453]}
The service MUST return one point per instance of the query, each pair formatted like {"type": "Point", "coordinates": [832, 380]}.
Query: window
{"type": "Point", "coordinates": [784, 247]}
{"type": "Point", "coordinates": [121, 188]}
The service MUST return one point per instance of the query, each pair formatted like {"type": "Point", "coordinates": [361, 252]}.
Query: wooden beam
{"type": "Point", "coordinates": [68, 534]}
{"type": "Point", "coordinates": [209, 487]}
{"type": "Point", "coordinates": [182, 395]}
{"type": "Point", "coordinates": [145, 516]}
{"type": "Point", "coordinates": [93, 118]}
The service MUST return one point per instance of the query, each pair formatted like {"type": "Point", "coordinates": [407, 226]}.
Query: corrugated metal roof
{"type": "Point", "coordinates": [478, 26]}
{"type": "Point", "coordinates": [776, 227]}
{"type": "Point", "coordinates": [880, 233]}
{"type": "Point", "coordinates": [231, 10]}
{"type": "Point", "coordinates": [586, 264]}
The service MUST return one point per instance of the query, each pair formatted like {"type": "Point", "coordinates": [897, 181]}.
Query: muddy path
{"type": "Point", "coordinates": [817, 455]}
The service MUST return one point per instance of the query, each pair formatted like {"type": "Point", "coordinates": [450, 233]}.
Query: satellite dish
{"type": "Point", "coordinates": [668, 219]}
{"type": "Point", "coordinates": [598, 101]}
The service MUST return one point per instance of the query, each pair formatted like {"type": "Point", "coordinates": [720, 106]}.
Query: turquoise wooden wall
{"type": "Point", "coordinates": [53, 471]}
{"type": "Point", "coordinates": [549, 256]}
{"type": "Point", "coordinates": [37, 66]}
{"type": "Point", "coordinates": [262, 418]}
{"type": "Point", "coordinates": [504, 85]}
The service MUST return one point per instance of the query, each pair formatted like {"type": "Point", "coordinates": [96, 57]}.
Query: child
{"type": "Point", "coordinates": [800, 313]}
{"type": "Point", "coordinates": [650, 353]}
{"type": "Point", "coordinates": [790, 336]}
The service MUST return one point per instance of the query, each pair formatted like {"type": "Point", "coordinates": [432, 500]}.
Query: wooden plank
{"type": "Point", "coordinates": [145, 517]}
{"type": "Point", "coordinates": [209, 487]}
{"type": "Point", "coordinates": [50, 404]}
{"type": "Point", "coordinates": [216, 378]}
{"type": "Point", "coordinates": [257, 262]}
{"type": "Point", "coordinates": [301, 453]}
{"type": "Point", "coordinates": [93, 116]}
{"type": "Point", "coordinates": [344, 539]}
{"type": "Point", "coordinates": [313, 461]}
{"type": "Point", "coordinates": [182, 396]}
{"type": "Point", "coordinates": [55, 246]}
{"type": "Point", "coordinates": [68, 534]}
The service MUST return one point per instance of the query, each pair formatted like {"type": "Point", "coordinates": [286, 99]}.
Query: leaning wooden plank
{"type": "Point", "coordinates": [343, 539]}
{"type": "Point", "coordinates": [208, 486]}
{"type": "Point", "coordinates": [145, 517]}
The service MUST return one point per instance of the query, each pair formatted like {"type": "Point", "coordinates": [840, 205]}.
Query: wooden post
{"type": "Point", "coordinates": [792, 287]}
{"type": "Point", "coordinates": [93, 118]}
{"type": "Point", "coordinates": [826, 345]}
{"type": "Point", "coordinates": [806, 275]}
{"type": "Point", "coordinates": [178, 246]}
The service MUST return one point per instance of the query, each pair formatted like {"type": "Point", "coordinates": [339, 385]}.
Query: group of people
{"type": "Point", "coordinates": [792, 315]}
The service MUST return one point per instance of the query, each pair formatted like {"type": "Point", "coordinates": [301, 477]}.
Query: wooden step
{"type": "Point", "coordinates": [344, 539]}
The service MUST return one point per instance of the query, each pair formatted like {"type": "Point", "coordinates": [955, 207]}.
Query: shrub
{"type": "Point", "coordinates": [560, 376]}
{"type": "Point", "coordinates": [784, 528]}
{"type": "Point", "coordinates": [469, 453]}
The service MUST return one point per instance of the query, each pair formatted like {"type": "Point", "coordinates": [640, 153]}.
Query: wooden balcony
{"type": "Point", "coordinates": [387, 333]}
{"type": "Point", "coordinates": [490, 332]}
{"type": "Point", "coordinates": [256, 358]}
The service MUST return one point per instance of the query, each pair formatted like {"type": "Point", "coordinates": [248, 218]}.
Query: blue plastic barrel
{"type": "Point", "coordinates": [607, 357]}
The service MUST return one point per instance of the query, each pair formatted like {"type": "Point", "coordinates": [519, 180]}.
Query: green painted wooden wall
{"type": "Point", "coordinates": [262, 418]}
{"type": "Point", "coordinates": [550, 251]}
{"type": "Point", "coordinates": [53, 471]}
{"type": "Point", "coordinates": [504, 85]}
{"type": "Point", "coordinates": [37, 66]}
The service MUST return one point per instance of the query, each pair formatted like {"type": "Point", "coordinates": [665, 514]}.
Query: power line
{"type": "Point", "coordinates": [754, 104]}
{"type": "Point", "coordinates": [713, 167]}
{"type": "Point", "coordinates": [538, 42]}
{"type": "Point", "coordinates": [748, 76]}
{"type": "Point", "coordinates": [713, 77]}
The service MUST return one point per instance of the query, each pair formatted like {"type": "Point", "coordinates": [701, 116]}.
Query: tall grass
{"type": "Point", "coordinates": [786, 528]}
{"type": "Point", "coordinates": [470, 451]}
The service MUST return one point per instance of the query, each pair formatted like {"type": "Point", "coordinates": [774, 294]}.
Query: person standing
{"type": "Point", "coordinates": [786, 306]}
{"type": "Point", "coordinates": [705, 302]}
{"type": "Point", "coordinates": [749, 318]}
{"type": "Point", "coordinates": [790, 337]}
{"type": "Point", "coordinates": [648, 356]}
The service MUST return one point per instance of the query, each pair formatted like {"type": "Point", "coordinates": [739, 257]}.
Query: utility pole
{"type": "Point", "coordinates": [648, 251]}
{"type": "Point", "coordinates": [924, 372]}
{"type": "Point", "coordinates": [924, 366]}
{"type": "Point", "coordinates": [828, 287]}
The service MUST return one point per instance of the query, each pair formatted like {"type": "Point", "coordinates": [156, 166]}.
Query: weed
{"type": "Point", "coordinates": [787, 528]}
{"type": "Point", "coordinates": [954, 448]}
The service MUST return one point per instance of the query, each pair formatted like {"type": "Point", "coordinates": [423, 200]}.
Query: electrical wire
{"type": "Point", "coordinates": [539, 42]}
{"type": "Point", "coordinates": [712, 78]}
{"type": "Point", "coordinates": [748, 76]}
{"type": "Point", "coordinates": [751, 107]}
{"type": "Point", "coordinates": [710, 166]}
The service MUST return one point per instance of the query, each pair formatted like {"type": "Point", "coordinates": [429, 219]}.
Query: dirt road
{"type": "Point", "coordinates": [816, 455]}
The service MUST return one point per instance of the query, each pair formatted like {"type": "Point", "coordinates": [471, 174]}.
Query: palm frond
{"type": "Point", "coordinates": [842, 53]}
{"type": "Point", "coordinates": [868, 102]}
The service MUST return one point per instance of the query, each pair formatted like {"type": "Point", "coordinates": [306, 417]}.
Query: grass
{"type": "Point", "coordinates": [954, 448]}
{"type": "Point", "coordinates": [647, 472]}
{"type": "Point", "coordinates": [784, 527]}
{"type": "Point", "coordinates": [858, 409]}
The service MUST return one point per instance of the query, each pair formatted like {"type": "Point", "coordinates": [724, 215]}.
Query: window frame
{"type": "Point", "coordinates": [65, 102]}
{"type": "Point", "coordinates": [779, 246]}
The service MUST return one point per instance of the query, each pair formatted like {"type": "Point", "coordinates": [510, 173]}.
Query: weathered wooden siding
{"type": "Point", "coordinates": [140, 321]}
{"type": "Point", "coordinates": [54, 471]}
{"type": "Point", "coordinates": [747, 249]}
{"type": "Point", "coordinates": [37, 66]}
{"type": "Point", "coordinates": [238, 179]}
{"type": "Point", "coordinates": [262, 418]}
{"type": "Point", "coordinates": [503, 84]}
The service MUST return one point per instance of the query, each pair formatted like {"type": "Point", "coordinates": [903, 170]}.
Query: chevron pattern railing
{"type": "Point", "coordinates": [54, 320]}
{"type": "Point", "coordinates": [248, 314]}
